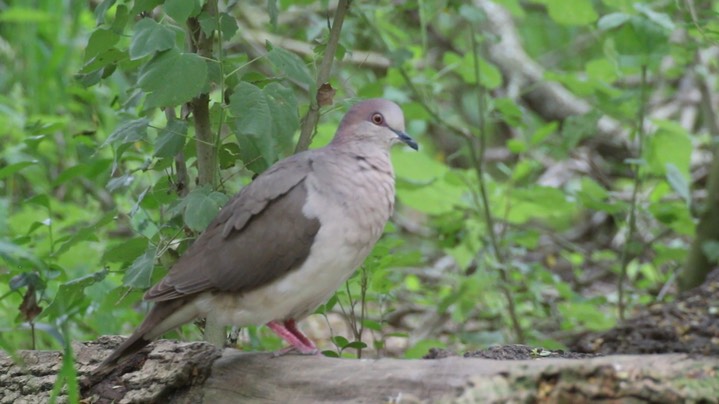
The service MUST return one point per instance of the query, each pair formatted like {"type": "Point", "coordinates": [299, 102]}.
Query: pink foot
{"type": "Point", "coordinates": [299, 343]}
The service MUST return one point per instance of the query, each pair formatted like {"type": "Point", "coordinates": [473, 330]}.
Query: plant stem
{"type": "Point", "coordinates": [632, 223]}
{"type": "Point", "coordinates": [204, 138]}
{"type": "Point", "coordinates": [309, 122]}
{"type": "Point", "coordinates": [477, 157]}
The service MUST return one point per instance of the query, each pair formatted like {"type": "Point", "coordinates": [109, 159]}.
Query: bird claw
{"type": "Point", "coordinates": [296, 351]}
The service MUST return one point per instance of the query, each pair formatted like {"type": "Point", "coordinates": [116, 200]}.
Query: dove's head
{"type": "Point", "coordinates": [375, 121]}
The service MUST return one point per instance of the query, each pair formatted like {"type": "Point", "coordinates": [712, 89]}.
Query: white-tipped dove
{"type": "Point", "coordinates": [288, 240]}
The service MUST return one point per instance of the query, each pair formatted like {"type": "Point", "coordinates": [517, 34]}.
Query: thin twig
{"type": "Point", "coordinates": [632, 224]}
{"type": "Point", "coordinates": [309, 123]}
{"type": "Point", "coordinates": [477, 157]}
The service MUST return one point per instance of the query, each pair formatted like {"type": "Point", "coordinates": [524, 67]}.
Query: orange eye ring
{"type": "Point", "coordinates": [377, 118]}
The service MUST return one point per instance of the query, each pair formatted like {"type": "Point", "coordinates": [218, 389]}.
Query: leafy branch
{"type": "Point", "coordinates": [309, 122]}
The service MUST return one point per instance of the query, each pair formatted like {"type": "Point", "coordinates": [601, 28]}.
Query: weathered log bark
{"type": "Point", "coordinates": [199, 373]}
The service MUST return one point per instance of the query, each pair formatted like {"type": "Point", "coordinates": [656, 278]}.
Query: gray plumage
{"type": "Point", "coordinates": [288, 240]}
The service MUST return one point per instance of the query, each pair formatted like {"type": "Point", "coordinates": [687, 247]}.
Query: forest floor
{"type": "Point", "coordinates": [687, 325]}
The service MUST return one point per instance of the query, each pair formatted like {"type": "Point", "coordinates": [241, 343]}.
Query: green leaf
{"type": "Point", "coordinates": [72, 294]}
{"type": "Point", "coordinates": [661, 19]}
{"type": "Point", "coordinates": [150, 37]}
{"type": "Point", "coordinates": [710, 248]}
{"type": "Point", "coordinates": [511, 113]}
{"type": "Point", "coordinates": [489, 74]}
{"type": "Point", "coordinates": [13, 168]}
{"type": "Point", "coordinates": [571, 12]}
{"type": "Point", "coordinates": [516, 146]}
{"type": "Point", "coordinates": [140, 6]}
{"type": "Point", "coordinates": [181, 10]}
{"type": "Point", "coordinates": [86, 233]}
{"type": "Point", "coordinates": [611, 21]}
{"type": "Point", "coordinates": [201, 206]}
{"type": "Point", "coordinates": [171, 139]}
{"type": "Point", "coordinates": [678, 181]}
{"type": "Point", "coordinates": [543, 131]}
{"type": "Point", "coordinates": [421, 348]}
{"type": "Point", "coordinates": [285, 116]}
{"type": "Point", "coordinates": [105, 59]}
{"type": "Point", "coordinates": [139, 274]}
{"type": "Point", "coordinates": [253, 126]}
{"type": "Point", "coordinates": [100, 41]}
{"type": "Point", "coordinates": [173, 78]}
{"type": "Point", "coordinates": [101, 9]}
{"type": "Point", "coordinates": [15, 254]}
{"type": "Point", "coordinates": [273, 12]}
{"type": "Point", "coordinates": [340, 341]}
{"type": "Point", "coordinates": [124, 251]}
{"type": "Point", "coordinates": [128, 132]}
{"type": "Point", "coordinates": [290, 65]}
{"type": "Point", "coordinates": [228, 26]}
{"type": "Point", "coordinates": [355, 345]}
{"type": "Point", "coordinates": [671, 144]}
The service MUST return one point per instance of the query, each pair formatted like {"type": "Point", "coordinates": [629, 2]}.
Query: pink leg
{"type": "Point", "coordinates": [298, 343]}
{"type": "Point", "coordinates": [291, 326]}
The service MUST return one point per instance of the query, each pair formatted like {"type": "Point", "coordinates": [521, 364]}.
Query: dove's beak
{"type": "Point", "coordinates": [406, 139]}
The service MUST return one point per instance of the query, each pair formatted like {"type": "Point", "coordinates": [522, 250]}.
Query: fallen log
{"type": "Point", "coordinates": [181, 372]}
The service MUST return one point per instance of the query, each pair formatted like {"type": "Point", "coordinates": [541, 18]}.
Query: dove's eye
{"type": "Point", "coordinates": [377, 118]}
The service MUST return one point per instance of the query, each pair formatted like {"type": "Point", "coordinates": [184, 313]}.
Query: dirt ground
{"type": "Point", "coordinates": [688, 325]}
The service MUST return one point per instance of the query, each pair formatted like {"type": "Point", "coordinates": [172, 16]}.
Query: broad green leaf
{"type": "Point", "coordinates": [138, 6]}
{"type": "Point", "coordinates": [543, 131]}
{"type": "Point", "coordinates": [601, 70]}
{"type": "Point", "coordinates": [611, 21]}
{"type": "Point", "coordinates": [25, 15]}
{"type": "Point", "coordinates": [661, 19]}
{"type": "Point", "coordinates": [16, 254]}
{"type": "Point", "coordinates": [290, 65]}
{"type": "Point", "coordinates": [489, 74]}
{"type": "Point", "coordinates": [173, 78]}
{"type": "Point", "coordinates": [100, 41]}
{"type": "Point", "coordinates": [540, 203]}
{"type": "Point", "coordinates": [150, 37]}
{"type": "Point", "coordinates": [181, 10]}
{"type": "Point", "coordinates": [511, 113]}
{"type": "Point", "coordinates": [105, 59]}
{"type": "Point", "coordinates": [228, 26]}
{"type": "Point", "coordinates": [253, 126]}
{"type": "Point", "coordinates": [124, 251]}
{"type": "Point", "coordinates": [674, 214]}
{"type": "Point", "coordinates": [201, 206]}
{"type": "Point", "coordinates": [421, 348]}
{"type": "Point", "coordinates": [86, 233]}
{"type": "Point", "coordinates": [128, 132]}
{"type": "Point", "coordinates": [171, 139]}
{"type": "Point", "coordinates": [710, 248]}
{"type": "Point", "coordinates": [671, 144]}
{"type": "Point", "coordinates": [101, 9]}
{"type": "Point", "coordinates": [139, 274]}
{"type": "Point", "coordinates": [571, 12]}
{"type": "Point", "coordinates": [273, 12]}
{"type": "Point", "coordinates": [679, 182]}
{"type": "Point", "coordinates": [422, 183]}
{"type": "Point", "coordinates": [71, 294]}
{"type": "Point", "coordinates": [516, 146]}
{"type": "Point", "coordinates": [285, 116]}
{"type": "Point", "coordinates": [13, 168]}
